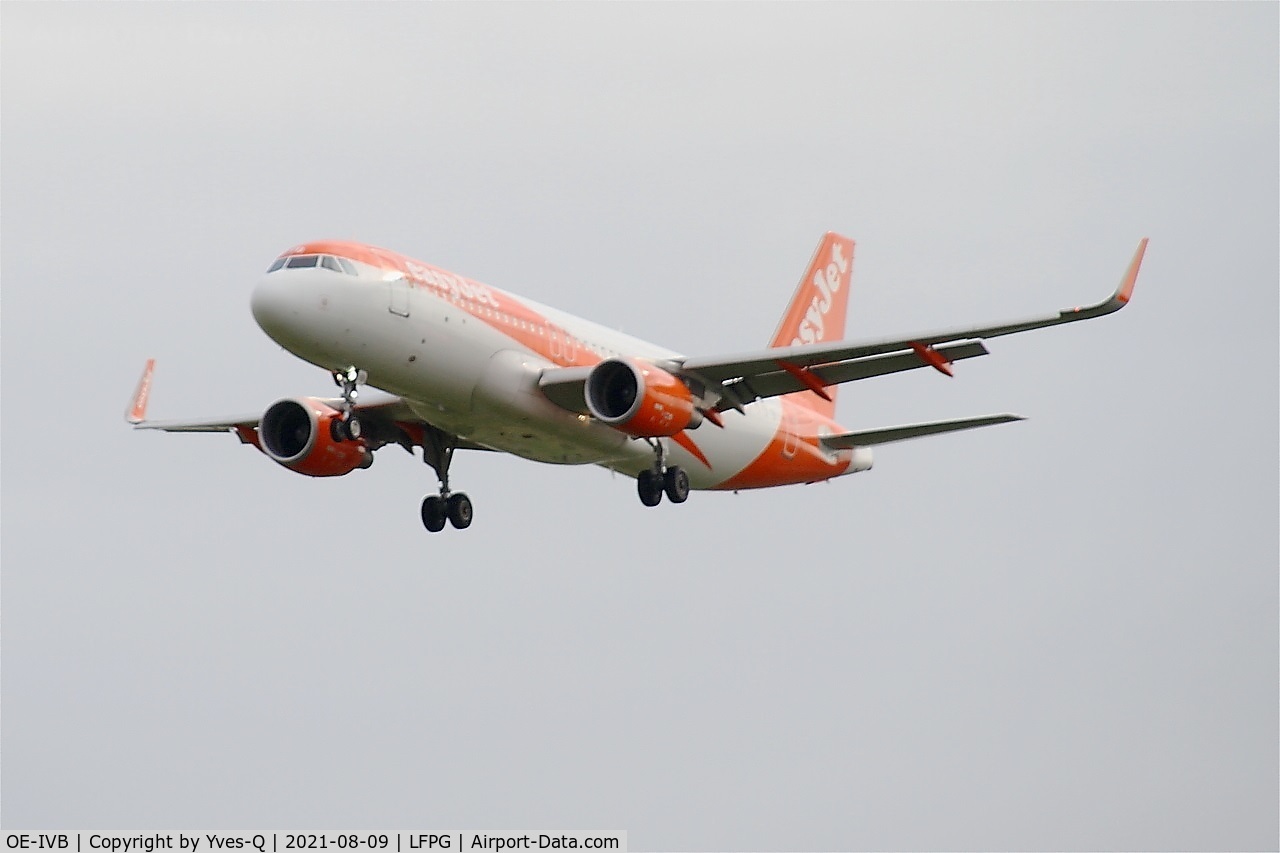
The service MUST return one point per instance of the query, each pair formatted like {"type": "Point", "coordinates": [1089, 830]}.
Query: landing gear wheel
{"type": "Point", "coordinates": [437, 451]}
{"type": "Point", "coordinates": [649, 487]}
{"type": "Point", "coordinates": [336, 431]}
{"type": "Point", "coordinates": [676, 484]}
{"type": "Point", "coordinates": [433, 513]}
{"type": "Point", "coordinates": [460, 511]}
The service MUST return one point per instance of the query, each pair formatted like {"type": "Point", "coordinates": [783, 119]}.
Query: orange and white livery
{"type": "Point", "coordinates": [460, 365]}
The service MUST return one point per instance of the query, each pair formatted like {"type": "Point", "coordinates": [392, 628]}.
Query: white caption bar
{"type": "Point", "coordinates": [490, 840]}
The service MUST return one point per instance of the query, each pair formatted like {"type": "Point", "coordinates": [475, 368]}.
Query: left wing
{"type": "Point", "coordinates": [744, 378]}
{"type": "Point", "coordinates": [731, 382]}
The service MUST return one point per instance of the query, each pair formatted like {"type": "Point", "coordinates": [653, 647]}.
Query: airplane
{"type": "Point", "coordinates": [460, 365]}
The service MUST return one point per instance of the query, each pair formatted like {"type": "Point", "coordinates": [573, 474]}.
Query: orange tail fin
{"type": "Point", "coordinates": [817, 309]}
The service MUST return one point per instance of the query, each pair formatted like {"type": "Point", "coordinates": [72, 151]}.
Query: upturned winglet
{"type": "Point", "coordinates": [137, 412]}
{"type": "Point", "coordinates": [1125, 290]}
{"type": "Point", "coordinates": [1123, 293]}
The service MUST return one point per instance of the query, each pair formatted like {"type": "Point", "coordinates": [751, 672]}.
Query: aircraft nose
{"type": "Point", "coordinates": [274, 307]}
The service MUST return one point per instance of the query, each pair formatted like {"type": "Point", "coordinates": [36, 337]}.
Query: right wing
{"type": "Point", "coordinates": [744, 378]}
{"type": "Point", "coordinates": [384, 415]}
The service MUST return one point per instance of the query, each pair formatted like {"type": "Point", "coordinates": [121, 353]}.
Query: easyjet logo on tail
{"type": "Point", "coordinates": [827, 282]}
{"type": "Point", "coordinates": [816, 311]}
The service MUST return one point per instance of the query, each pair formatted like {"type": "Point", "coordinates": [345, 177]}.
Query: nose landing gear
{"type": "Point", "coordinates": [437, 451]}
{"type": "Point", "coordinates": [652, 483]}
{"type": "Point", "coordinates": [348, 427]}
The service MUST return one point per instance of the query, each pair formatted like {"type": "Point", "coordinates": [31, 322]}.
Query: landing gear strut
{"type": "Point", "coordinates": [437, 451]}
{"type": "Point", "coordinates": [348, 427]}
{"type": "Point", "coordinates": [652, 483]}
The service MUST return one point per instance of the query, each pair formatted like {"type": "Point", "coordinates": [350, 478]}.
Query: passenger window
{"type": "Point", "coordinates": [330, 264]}
{"type": "Point", "coordinates": [277, 265]}
{"type": "Point", "coordinates": [302, 261]}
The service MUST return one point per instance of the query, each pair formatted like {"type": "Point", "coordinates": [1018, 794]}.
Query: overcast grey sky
{"type": "Point", "coordinates": [1057, 634]}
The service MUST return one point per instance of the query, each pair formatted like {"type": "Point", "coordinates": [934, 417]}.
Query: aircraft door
{"type": "Point", "coordinates": [398, 296]}
{"type": "Point", "coordinates": [564, 346]}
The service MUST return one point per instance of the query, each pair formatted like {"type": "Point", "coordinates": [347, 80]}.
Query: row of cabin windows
{"type": "Point", "coordinates": [343, 265]}
{"type": "Point", "coordinates": [328, 262]}
{"type": "Point", "coordinates": [542, 331]}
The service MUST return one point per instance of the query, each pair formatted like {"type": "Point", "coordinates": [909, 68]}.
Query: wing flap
{"type": "Point", "coordinates": [869, 438]}
{"type": "Point", "coordinates": [785, 382]}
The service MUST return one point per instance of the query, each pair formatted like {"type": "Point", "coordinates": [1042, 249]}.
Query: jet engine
{"type": "Point", "coordinates": [298, 434]}
{"type": "Point", "coordinates": [640, 399]}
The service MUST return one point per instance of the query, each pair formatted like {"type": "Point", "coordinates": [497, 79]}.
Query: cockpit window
{"type": "Point", "coordinates": [328, 262]}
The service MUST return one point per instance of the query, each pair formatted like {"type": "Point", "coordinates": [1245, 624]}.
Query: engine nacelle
{"type": "Point", "coordinates": [297, 434]}
{"type": "Point", "coordinates": [640, 399]}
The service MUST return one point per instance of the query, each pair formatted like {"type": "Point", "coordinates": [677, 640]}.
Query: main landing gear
{"type": "Point", "coordinates": [348, 427]}
{"type": "Point", "coordinates": [652, 483]}
{"type": "Point", "coordinates": [437, 451]}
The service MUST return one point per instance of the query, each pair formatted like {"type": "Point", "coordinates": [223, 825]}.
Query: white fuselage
{"type": "Point", "coordinates": [467, 358]}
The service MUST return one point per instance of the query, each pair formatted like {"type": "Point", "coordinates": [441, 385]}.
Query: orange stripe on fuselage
{"type": "Point", "coordinates": [794, 454]}
{"type": "Point", "coordinates": [496, 309]}
{"type": "Point", "coordinates": [682, 438]}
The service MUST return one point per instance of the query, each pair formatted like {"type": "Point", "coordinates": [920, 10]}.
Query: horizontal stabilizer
{"type": "Point", "coordinates": [848, 440]}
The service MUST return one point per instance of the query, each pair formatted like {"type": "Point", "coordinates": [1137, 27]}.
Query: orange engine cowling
{"type": "Point", "coordinates": [640, 399]}
{"type": "Point", "coordinates": [297, 434]}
